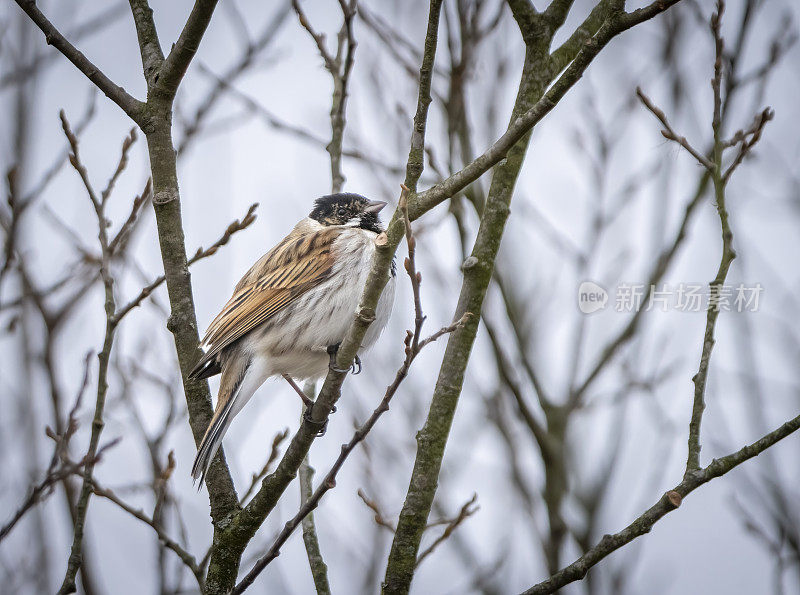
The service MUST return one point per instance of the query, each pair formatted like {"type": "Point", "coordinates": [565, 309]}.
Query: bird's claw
{"type": "Point", "coordinates": [332, 351]}
{"type": "Point", "coordinates": [320, 427]}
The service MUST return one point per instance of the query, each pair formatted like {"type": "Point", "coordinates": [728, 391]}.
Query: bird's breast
{"type": "Point", "coordinates": [296, 338]}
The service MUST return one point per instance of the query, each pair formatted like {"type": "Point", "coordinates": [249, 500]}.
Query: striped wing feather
{"type": "Point", "coordinates": [299, 263]}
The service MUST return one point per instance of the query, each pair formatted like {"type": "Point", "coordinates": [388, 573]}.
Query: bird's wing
{"type": "Point", "coordinates": [299, 263]}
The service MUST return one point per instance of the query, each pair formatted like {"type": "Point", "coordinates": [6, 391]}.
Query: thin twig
{"type": "Point", "coordinates": [273, 455]}
{"type": "Point", "coordinates": [339, 67]}
{"type": "Point", "coordinates": [667, 503]}
{"type": "Point", "coordinates": [378, 516]}
{"type": "Point", "coordinates": [133, 107]}
{"type": "Point", "coordinates": [235, 226]}
{"type": "Point", "coordinates": [319, 570]}
{"type": "Point", "coordinates": [465, 512]}
{"type": "Point", "coordinates": [123, 163]}
{"type": "Point", "coordinates": [747, 139]}
{"type": "Point", "coordinates": [82, 506]}
{"type": "Point", "coordinates": [329, 482]}
{"type": "Point", "coordinates": [728, 253]}
{"type": "Point", "coordinates": [119, 241]}
{"type": "Point", "coordinates": [410, 264]}
{"type": "Point", "coordinates": [185, 557]}
{"type": "Point", "coordinates": [319, 38]}
{"type": "Point", "coordinates": [670, 134]}
{"type": "Point", "coordinates": [60, 466]}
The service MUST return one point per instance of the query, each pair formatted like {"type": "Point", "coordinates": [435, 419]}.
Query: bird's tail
{"type": "Point", "coordinates": [236, 388]}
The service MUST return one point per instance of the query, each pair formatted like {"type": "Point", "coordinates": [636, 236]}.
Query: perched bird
{"type": "Point", "coordinates": [291, 310]}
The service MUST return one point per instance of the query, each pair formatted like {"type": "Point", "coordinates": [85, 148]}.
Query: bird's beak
{"type": "Point", "coordinates": [374, 206]}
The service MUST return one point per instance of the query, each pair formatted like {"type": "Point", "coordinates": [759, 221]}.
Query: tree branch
{"type": "Point", "coordinates": [531, 105]}
{"type": "Point", "coordinates": [463, 514]}
{"type": "Point", "coordinates": [666, 504]}
{"type": "Point", "coordinates": [146, 33]}
{"type": "Point", "coordinates": [670, 134]}
{"type": "Point", "coordinates": [168, 542]}
{"type": "Point", "coordinates": [565, 53]}
{"type": "Point", "coordinates": [131, 106]}
{"type": "Point", "coordinates": [177, 62]}
{"type": "Point", "coordinates": [617, 22]}
{"type": "Point", "coordinates": [99, 204]}
{"type": "Point", "coordinates": [319, 570]}
{"type": "Point", "coordinates": [236, 225]}
{"type": "Point", "coordinates": [329, 481]}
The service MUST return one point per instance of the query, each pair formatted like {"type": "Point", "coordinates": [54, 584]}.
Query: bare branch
{"type": "Point", "coordinates": [133, 107]}
{"type": "Point", "coordinates": [123, 163]}
{"type": "Point", "coordinates": [201, 253]}
{"type": "Point", "coordinates": [120, 239]}
{"type": "Point", "coordinates": [379, 518]}
{"type": "Point", "coordinates": [670, 134]}
{"type": "Point", "coordinates": [99, 204]}
{"type": "Point", "coordinates": [319, 39]}
{"type": "Point", "coordinates": [329, 482]}
{"type": "Point", "coordinates": [613, 26]}
{"type": "Point", "coordinates": [339, 68]}
{"type": "Point", "coordinates": [747, 139]}
{"type": "Point", "coordinates": [728, 254]}
{"type": "Point", "coordinates": [60, 466]}
{"type": "Point", "coordinates": [185, 557]}
{"type": "Point", "coordinates": [666, 504]}
{"type": "Point", "coordinates": [273, 456]}
{"type": "Point", "coordinates": [147, 35]}
{"type": "Point", "coordinates": [465, 512]}
{"type": "Point", "coordinates": [319, 570]}
{"type": "Point", "coordinates": [177, 62]}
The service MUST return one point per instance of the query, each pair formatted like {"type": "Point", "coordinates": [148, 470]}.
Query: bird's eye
{"type": "Point", "coordinates": [341, 211]}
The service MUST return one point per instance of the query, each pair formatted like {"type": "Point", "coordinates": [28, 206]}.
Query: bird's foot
{"type": "Point", "coordinates": [320, 427]}
{"type": "Point", "coordinates": [332, 351]}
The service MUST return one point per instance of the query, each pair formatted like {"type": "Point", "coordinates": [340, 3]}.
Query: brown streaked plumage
{"type": "Point", "coordinates": [293, 304]}
{"type": "Point", "coordinates": [300, 262]}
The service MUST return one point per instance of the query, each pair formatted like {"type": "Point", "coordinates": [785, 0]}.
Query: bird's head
{"type": "Point", "coordinates": [345, 208]}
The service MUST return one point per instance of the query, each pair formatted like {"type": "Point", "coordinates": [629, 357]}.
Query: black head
{"type": "Point", "coordinates": [345, 208]}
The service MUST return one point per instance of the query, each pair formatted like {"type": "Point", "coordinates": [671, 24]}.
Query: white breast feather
{"type": "Point", "coordinates": [296, 341]}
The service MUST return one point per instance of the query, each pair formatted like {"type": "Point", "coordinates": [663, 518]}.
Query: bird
{"type": "Point", "coordinates": [290, 311]}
